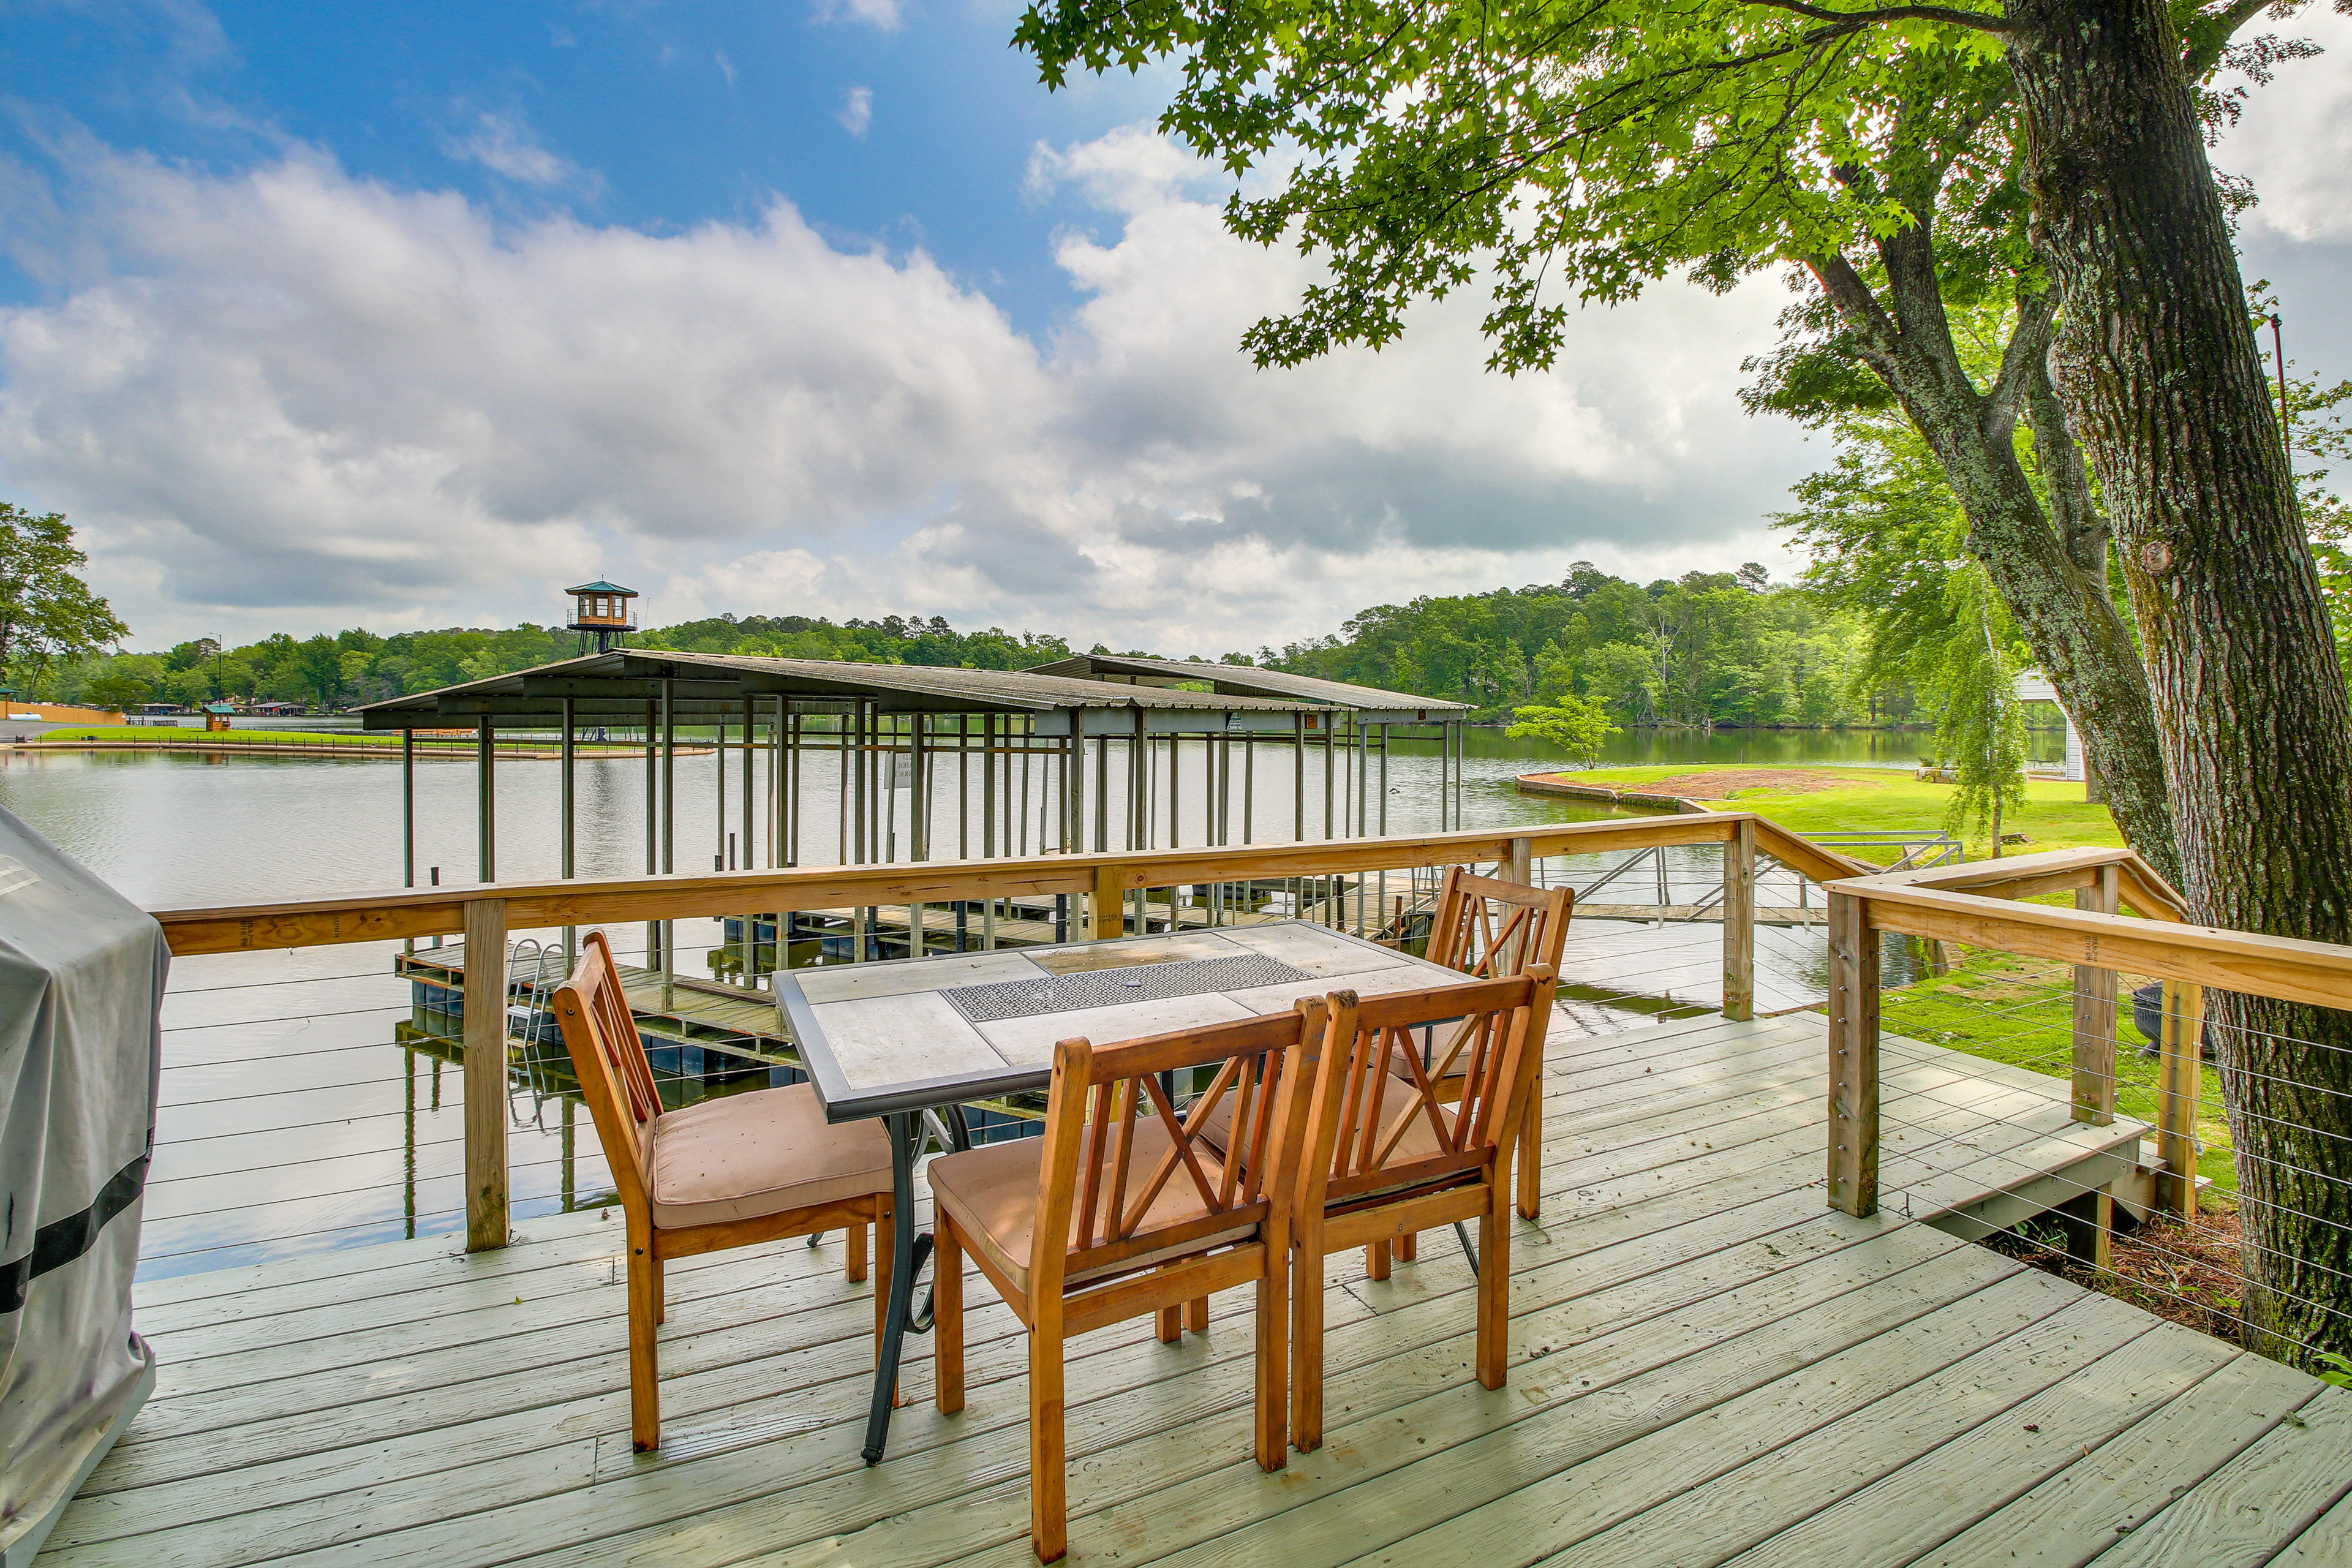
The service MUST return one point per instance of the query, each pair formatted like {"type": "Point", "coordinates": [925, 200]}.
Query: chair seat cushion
{"type": "Point", "coordinates": [992, 1193]}
{"type": "Point", "coordinates": [744, 1156]}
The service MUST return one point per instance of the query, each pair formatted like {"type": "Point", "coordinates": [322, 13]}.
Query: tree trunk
{"type": "Point", "coordinates": [2079, 640]}
{"type": "Point", "coordinates": [2157, 363]}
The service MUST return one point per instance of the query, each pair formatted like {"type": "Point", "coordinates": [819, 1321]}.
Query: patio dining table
{"type": "Point", "coordinates": [896, 1040]}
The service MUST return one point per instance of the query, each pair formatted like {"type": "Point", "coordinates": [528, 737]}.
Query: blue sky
{"type": "Point", "coordinates": [652, 116]}
{"type": "Point", "coordinates": [406, 315]}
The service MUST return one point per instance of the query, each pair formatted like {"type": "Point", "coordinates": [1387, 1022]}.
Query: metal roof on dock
{"type": "Point", "coordinates": [1249, 680]}
{"type": "Point", "coordinates": [619, 685]}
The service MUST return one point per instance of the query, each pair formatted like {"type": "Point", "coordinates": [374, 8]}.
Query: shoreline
{"type": "Point", "coordinates": [388, 750]}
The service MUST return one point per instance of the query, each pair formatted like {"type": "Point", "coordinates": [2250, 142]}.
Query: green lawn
{"type": "Point", "coordinates": [1887, 800]}
{"type": "Point", "coordinates": [2022, 1011]}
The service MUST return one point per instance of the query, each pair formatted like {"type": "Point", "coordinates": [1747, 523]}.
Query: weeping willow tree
{"type": "Point", "coordinates": [1981, 733]}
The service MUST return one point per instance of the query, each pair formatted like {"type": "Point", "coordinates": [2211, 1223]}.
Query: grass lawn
{"type": "Point", "coordinates": [2055, 816]}
{"type": "Point", "coordinates": [2022, 1011]}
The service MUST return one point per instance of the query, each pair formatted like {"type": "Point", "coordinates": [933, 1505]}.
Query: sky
{"type": "Point", "coordinates": [410, 315]}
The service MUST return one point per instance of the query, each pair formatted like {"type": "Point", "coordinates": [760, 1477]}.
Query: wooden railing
{"type": "Point", "coordinates": [485, 913]}
{"type": "Point", "coordinates": [1976, 905]}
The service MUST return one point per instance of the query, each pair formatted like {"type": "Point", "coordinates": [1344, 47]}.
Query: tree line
{"type": "Point", "coordinates": [331, 672]}
{"type": "Point", "coordinates": [1705, 650]}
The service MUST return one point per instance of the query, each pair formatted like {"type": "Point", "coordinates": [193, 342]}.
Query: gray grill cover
{"type": "Point", "coordinates": [81, 989]}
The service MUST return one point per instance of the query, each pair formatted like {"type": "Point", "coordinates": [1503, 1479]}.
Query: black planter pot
{"type": "Point", "coordinates": [2147, 1012]}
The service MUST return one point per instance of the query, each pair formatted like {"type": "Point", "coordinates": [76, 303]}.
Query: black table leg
{"type": "Point", "coordinates": [902, 1127]}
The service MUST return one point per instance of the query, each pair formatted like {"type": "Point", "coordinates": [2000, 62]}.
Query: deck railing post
{"type": "Point", "coordinates": [1109, 904]}
{"type": "Point", "coordinates": [485, 1074]}
{"type": "Point", "coordinates": [2094, 1016]}
{"type": "Point", "coordinates": [2180, 1078]}
{"type": "Point", "coordinates": [1522, 865]}
{"type": "Point", "coordinates": [1854, 1056]}
{"type": "Point", "coordinates": [1740, 921]}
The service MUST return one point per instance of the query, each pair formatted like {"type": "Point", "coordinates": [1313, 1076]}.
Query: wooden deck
{"type": "Point", "coordinates": [1709, 1364]}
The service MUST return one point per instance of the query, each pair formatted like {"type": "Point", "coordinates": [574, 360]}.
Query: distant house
{"type": "Point", "coordinates": [278, 709]}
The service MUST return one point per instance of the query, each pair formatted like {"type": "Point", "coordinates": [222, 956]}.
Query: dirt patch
{"type": "Point", "coordinates": [1721, 784]}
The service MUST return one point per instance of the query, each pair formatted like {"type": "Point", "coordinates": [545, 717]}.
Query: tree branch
{"type": "Point", "coordinates": [1956, 17]}
{"type": "Point", "coordinates": [2210, 34]}
{"type": "Point", "coordinates": [2027, 350]}
{"type": "Point", "coordinates": [1851, 298]}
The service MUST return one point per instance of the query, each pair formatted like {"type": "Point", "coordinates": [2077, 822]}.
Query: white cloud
{"type": "Point", "coordinates": [856, 110]}
{"type": "Point", "coordinates": [304, 400]}
{"type": "Point", "coordinates": [882, 15]}
{"type": "Point", "coordinates": [2295, 137]}
{"type": "Point", "coordinates": [505, 143]}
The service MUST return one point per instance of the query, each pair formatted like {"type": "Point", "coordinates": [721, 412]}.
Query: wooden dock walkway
{"type": "Point", "coordinates": [1708, 1365]}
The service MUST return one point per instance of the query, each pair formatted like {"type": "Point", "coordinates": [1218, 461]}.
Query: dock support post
{"type": "Point", "coordinates": [2095, 1018]}
{"type": "Point", "coordinates": [570, 796]}
{"type": "Point", "coordinates": [1854, 1058]}
{"type": "Point", "coordinates": [486, 800]}
{"type": "Point", "coordinates": [668, 830]}
{"type": "Point", "coordinates": [988, 764]}
{"type": "Point", "coordinates": [2180, 1078]}
{"type": "Point", "coordinates": [1740, 921]}
{"type": "Point", "coordinates": [1297, 779]}
{"type": "Point", "coordinates": [485, 1074]}
{"type": "Point", "coordinates": [653, 827]}
{"type": "Point", "coordinates": [408, 818]}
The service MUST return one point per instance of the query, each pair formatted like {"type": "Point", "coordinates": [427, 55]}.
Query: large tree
{"type": "Point", "coordinates": [1906, 157]}
{"type": "Point", "coordinates": [47, 611]}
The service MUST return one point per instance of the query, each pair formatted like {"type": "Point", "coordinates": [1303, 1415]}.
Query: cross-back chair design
{"type": "Point", "coordinates": [1396, 1155]}
{"type": "Point", "coordinates": [1492, 929]}
{"type": "Point", "coordinates": [729, 1172]}
{"type": "Point", "coordinates": [1122, 1209]}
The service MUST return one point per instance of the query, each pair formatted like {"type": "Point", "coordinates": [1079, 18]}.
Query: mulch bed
{"type": "Point", "coordinates": [2185, 1274]}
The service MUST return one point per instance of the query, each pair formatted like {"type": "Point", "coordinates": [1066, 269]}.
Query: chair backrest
{"type": "Point", "coordinates": [608, 1056]}
{"type": "Point", "coordinates": [1492, 929]}
{"type": "Point", "coordinates": [1384, 1133]}
{"type": "Point", "coordinates": [1095, 1194]}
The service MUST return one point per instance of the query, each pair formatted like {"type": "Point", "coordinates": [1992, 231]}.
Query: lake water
{"type": "Point", "coordinates": [296, 1115]}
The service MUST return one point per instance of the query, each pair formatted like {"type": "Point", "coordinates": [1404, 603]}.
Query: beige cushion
{"type": "Point", "coordinates": [742, 1156]}
{"type": "Point", "coordinates": [992, 1193]}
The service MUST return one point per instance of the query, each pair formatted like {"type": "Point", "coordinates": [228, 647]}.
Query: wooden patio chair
{"type": "Point", "coordinates": [1121, 1210]}
{"type": "Point", "coordinates": [1401, 1155]}
{"type": "Point", "coordinates": [1490, 929]}
{"type": "Point", "coordinates": [729, 1171]}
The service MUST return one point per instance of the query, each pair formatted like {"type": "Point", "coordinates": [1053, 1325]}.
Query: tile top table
{"type": "Point", "coordinates": [896, 1038]}
{"type": "Point", "coordinates": [879, 1038]}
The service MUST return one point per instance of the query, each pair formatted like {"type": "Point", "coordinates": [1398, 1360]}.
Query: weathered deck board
{"type": "Point", "coordinates": [1708, 1363]}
